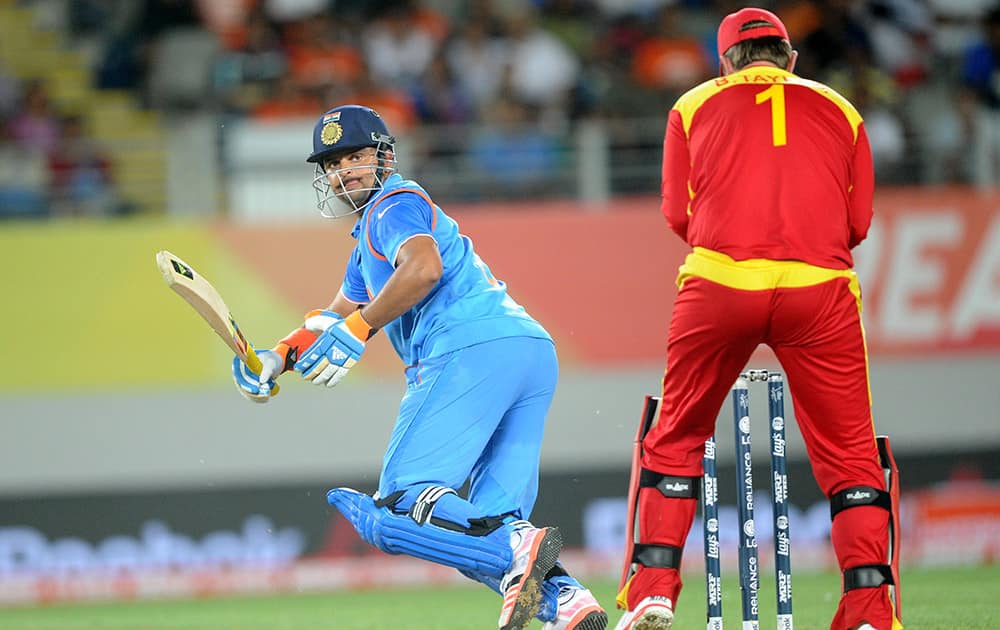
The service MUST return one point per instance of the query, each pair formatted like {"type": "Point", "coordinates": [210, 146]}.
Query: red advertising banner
{"type": "Point", "coordinates": [602, 279]}
{"type": "Point", "coordinates": [930, 272]}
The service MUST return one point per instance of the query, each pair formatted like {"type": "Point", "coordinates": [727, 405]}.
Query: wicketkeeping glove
{"type": "Point", "coordinates": [257, 387]}
{"type": "Point", "coordinates": [338, 347]}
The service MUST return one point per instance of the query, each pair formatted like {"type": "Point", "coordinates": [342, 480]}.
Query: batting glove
{"type": "Point", "coordinates": [257, 387]}
{"type": "Point", "coordinates": [336, 350]}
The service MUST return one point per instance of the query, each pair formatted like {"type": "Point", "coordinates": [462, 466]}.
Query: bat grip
{"type": "Point", "coordinates": [253, 362]}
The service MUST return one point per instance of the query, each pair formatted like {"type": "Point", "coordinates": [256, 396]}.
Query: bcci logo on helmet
{"type": "Point", "coordinates": [331, 134]}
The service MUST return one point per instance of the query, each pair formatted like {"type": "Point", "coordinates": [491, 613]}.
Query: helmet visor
{"type": "Point", "coordinates": [347, 190]}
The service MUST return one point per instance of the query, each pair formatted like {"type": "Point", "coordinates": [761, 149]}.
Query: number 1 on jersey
{"type": "Point", "coordinates": [776, 94]}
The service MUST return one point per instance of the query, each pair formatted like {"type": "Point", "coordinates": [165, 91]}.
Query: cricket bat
{"type": "Point", "coordinates": [205, 299]}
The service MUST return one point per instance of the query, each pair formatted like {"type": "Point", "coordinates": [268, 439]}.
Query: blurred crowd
{"type": "Point", "coordinates": [923, 73]}
{"type": "Point", "coordinates": [49, 165]}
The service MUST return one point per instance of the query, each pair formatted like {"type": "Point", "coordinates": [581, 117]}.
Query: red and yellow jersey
{"type": "Point", "coordinates": [763, 164]}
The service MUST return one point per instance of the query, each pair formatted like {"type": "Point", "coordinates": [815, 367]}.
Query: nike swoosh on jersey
{"type": "Point", "coordinates": [386, 209]}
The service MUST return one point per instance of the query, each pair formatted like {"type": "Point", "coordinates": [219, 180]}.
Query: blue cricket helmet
{"type": "Point", "coordinates": [348, 128]}
{"type": "Point", "coordinates": [340, 131]}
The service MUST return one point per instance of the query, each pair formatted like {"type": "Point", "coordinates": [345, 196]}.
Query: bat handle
{"type": "Point", "coordinates": [253, 362]}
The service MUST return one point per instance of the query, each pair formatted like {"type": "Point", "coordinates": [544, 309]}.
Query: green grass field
{"type": "Point", "coordinates": [946, 599]}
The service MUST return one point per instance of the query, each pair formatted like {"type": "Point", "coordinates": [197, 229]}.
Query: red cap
{"type": "Point", "coordinates": [732, 30]}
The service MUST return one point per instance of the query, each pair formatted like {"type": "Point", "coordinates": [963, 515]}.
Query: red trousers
{"type": "Point", "coordinates": [817, 335]}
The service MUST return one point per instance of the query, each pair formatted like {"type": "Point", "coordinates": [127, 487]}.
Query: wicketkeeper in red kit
{"type": "Point", "coordinates": [768, 177]}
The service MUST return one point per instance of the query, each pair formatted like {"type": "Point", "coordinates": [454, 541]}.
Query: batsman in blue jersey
{"type": "Point", "coordinates": [480, 375]}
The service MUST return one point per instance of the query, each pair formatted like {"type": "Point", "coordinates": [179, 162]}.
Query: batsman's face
{"type": "Point", "coordinates": [353, 174]}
